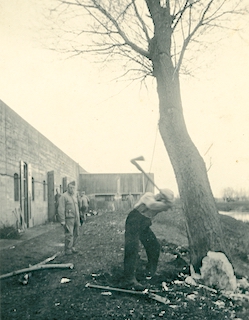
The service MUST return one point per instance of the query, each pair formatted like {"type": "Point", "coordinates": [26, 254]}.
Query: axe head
{"type": "Point", "coordinates": [141, 158]}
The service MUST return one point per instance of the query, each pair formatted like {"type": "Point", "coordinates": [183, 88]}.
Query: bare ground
{"type": "Point", "coordinates": [101, 262]}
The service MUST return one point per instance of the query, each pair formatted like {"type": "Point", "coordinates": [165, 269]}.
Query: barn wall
{"type": "Point", "coordinates": [111, 183]}
{"type": "Point", "coordinates": [20, 141]}
{"type": "Point", "coordinates": [105, 188]}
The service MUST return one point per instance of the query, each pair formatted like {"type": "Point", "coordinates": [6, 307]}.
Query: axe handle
{"type": "Point", "coordinates": [147, 176]}
{"type": "Point", "coordinates": [89, 285]}
{"type": "Point", "coordinates": [144, 293]}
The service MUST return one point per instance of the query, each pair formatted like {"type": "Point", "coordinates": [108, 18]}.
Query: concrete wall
{"type": "Point", "coordinates": [20, 141]}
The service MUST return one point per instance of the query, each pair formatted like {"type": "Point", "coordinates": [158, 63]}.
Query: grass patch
{"type": "Point", "coordinates": [9, 233]}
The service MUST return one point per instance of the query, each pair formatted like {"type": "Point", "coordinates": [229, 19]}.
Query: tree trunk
{"type": "Point", "coordinates": [202, 219]}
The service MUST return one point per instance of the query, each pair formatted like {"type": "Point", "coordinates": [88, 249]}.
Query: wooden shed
{"type": "Point", "coordinates": [104, 188]}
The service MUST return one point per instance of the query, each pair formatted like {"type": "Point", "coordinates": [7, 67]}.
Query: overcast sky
{"type": "Point", "coordinates": [102, 123]}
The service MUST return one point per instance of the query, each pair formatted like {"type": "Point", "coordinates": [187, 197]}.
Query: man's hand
{"type": "Point", "coordinates": [63, 223]}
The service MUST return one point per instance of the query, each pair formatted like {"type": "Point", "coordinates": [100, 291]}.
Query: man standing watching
{"type": "Point", "coordinates": [130, 200]}
{"type": "Point", "coordinates": [137, 227]}
{"type": "Point", "coordinates": [68, 213]}
{"type": "Point", "coordinates": [83, 202]}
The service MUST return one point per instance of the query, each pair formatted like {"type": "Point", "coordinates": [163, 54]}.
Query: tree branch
{"type": "Point", "coordinates": [121, 33]}
{"type": "Point", "coordinates": [180, 14]}
{"type": "Point", "coordinates": [190, 36]}
{"type": "Point", "coordinates": [144, 27]}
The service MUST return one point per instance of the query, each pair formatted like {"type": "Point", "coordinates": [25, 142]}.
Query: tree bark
{"type": "Point", "coordinates": [202, 218]}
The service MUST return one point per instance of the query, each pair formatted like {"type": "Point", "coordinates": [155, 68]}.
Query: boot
{"type": "Point", "coordinates": [133, 284]}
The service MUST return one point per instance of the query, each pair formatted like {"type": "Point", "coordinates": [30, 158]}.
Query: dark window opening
{"type": "Point", "coordinates": [33, 189]}
{"type": "Point", "coordinates": [16, 187]}
{"type": "Point", "coordinates": [44, 191]}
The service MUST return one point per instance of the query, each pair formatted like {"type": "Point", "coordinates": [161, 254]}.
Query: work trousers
{"type": "Point", "coordinates": [83, 213]}
{"type": "Point", "coordinates": [137, 227]}
{"type": "Point", "coordinates": [71, 232]}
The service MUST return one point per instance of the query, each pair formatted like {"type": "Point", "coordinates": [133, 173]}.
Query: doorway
{"type": "Point", "coordinates": [51, 197]}
{"type": "Point", "coordinates": [26, 192]}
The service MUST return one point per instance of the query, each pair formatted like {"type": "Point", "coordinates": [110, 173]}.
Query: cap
{"type": "Point", "coordinates": [169, 194]}
{"type": "Point", "coordinates": [72, 183]}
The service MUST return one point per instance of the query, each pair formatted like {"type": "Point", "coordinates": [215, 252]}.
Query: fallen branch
{"type": "Point", "coordinates": [46, 260]}
{"type": "Point", "coordinates": [38, 267]}
{"type": "Point", "coordinates": [24, 278]}
{"type": "Point", "coordinates": [146, 292]}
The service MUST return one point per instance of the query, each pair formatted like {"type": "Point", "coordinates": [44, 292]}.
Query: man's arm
{"type": "Point", "coordinates": [149, 200]}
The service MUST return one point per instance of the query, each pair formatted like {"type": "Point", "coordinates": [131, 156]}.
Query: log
{"type": "Point", "coordinates": [24, 279]}
{"type": "Point", "coordinates": [38, 267]}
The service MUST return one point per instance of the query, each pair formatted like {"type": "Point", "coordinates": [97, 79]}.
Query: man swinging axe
{"type": "Point", "coordinates": [137, 227]}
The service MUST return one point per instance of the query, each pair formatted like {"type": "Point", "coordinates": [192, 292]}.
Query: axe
{"type": "Point", "coordinates": [134, 162]}
{"type": "Point", "coordinates": [146, 292]}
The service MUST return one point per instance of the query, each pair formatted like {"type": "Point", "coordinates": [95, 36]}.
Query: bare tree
{"type": "Point", "coordinates": [228, 194]}
{"type": "Point", "coordinates": [151, 38]}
